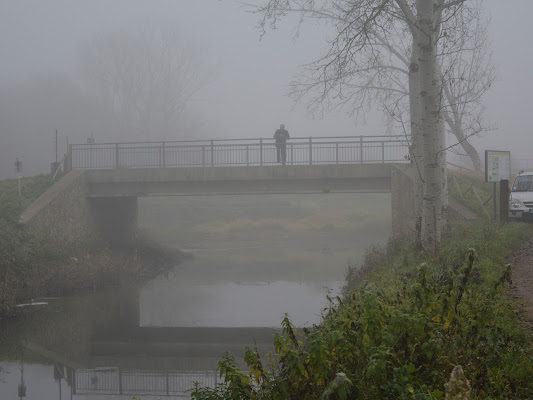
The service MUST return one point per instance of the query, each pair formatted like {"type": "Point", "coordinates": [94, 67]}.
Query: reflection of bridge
{"type": "Point", "coordinates": [98, 349]}
{"type": "Point", "coordinates": [162, 362]}
{"type": "Point", "coordinates": [100, 193]}
{"type": "Point", "coordinates": [114, 381]}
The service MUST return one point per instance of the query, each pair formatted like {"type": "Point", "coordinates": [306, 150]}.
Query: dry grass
{"type": "Point", "coordinates": [325, 221]}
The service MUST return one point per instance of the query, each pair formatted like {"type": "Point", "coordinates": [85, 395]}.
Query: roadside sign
{"type": "Point", "coordinates": [497, 165]}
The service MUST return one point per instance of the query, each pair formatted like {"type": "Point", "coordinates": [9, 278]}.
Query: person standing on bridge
{"type": "Point", "coordinates": [281, 137]}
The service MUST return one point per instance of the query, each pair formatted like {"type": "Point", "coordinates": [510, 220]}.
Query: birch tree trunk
{"type": "Point", "coordinates": [417, 141]}
{"type": "Point", "coordinates": [432, 127]}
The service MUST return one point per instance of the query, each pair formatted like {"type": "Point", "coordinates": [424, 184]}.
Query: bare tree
{"type": "Point", "coordinates": [467, 73]}
{"type": "Point", "coordinates": [378, 43]}
{"type": "Point", "coordinates": [145, 77]}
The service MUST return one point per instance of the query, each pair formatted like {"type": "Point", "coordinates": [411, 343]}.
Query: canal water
{"type": "Point", "coordinates": [253, 261]}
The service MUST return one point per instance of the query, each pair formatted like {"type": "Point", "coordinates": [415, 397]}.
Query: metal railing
{"type": "Point", "coordinates": [243, 152]}
{"type": "Point", "coordinates": [113, 381]}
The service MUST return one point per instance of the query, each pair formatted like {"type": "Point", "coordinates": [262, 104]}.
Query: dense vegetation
{"type": "Point", "coordinates": [405, 322]}
{"type": "Point", "coordinates": [20, 251]}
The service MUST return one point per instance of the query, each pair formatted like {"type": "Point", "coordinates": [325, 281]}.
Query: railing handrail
{"type": "Point", "coordinates": [376, 138]}
{"type": "Point", "coordinates": [152, 146]}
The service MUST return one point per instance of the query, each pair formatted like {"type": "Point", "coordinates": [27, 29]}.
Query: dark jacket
{"type": "Point", "coordinates": [281, 135]}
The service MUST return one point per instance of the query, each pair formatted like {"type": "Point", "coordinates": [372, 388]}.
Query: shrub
{"type": "Point", "coordinates": [401, 331]}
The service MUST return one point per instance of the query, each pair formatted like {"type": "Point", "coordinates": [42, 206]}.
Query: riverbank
{"type": "Point", "coordinates": [33, 266]}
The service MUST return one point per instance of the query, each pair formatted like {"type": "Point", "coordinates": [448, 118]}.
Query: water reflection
{"type": "Point", "coordinates": [246, 287]}
{"type": "Point", "coordinates": [89, 347]}
{"type": "Point", "coordinates": [153, 341]}
{"type": "Point", "coordinates": [157, 339]}
{"type": "Point", "coordinates": [99, 383]}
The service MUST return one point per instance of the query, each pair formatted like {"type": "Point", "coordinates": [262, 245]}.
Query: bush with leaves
{"type": "Point", "coordinates": [401, 339]}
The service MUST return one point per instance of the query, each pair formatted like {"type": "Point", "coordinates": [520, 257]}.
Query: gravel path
{"type": "Point", "coordinates": [522, 287]}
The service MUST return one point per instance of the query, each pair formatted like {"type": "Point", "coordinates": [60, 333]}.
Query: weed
{"type": "Point", "coordinates": [404, 324]}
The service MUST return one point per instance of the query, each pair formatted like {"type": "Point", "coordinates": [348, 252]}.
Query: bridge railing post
{"type": "Point", "coordinates": [361, 149]}
{"type": "Point", "coordinates": [203, 156]}
{"type": "Point", "coordinates": [260, 151]}
{"type": "Point", "coordinates": [310, 151]}
{"type": "Point", "coordinates": [247, 155]}
{"type": "Point", "coordinates": [91, 156]}
{"type": "Point", "coordinates": [383, 152]}
{"type": "Point", "coordinates": [68, 165]}
{"type": "Point", "coordinates": [117, 162]}
{"type": "Point", "coordinates": [163, 151]}
{"type": "Point", "coordinates": [292, 154]}
{"type": "Point", "coordinates": [337, 153]}
{"type": "Point", "coordinates": [212, 153]}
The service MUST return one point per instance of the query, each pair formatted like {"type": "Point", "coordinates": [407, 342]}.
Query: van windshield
{"type": "Point", "coordinates": [523, 184]}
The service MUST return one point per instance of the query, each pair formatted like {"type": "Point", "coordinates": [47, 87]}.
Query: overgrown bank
{"type": "Point", "coordinates": [405, 322]}
{"type": "Point", "coordinates": [34, 266]}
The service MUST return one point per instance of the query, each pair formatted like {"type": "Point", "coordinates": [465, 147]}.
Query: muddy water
{"type": "Point", "coordinates": [152, 341]}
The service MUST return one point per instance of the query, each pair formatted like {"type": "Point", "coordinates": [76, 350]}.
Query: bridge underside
{"type": "Point", "coordinates": [125, 189]}
{"type": "Point", "coordinates": [239, 180]}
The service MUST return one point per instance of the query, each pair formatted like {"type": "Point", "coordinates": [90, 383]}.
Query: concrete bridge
{"type": "Point", "coordinates": [100, 192]}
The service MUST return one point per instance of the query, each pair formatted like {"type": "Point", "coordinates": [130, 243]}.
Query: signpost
{"type": "Point", "coordinates": [498, 169]}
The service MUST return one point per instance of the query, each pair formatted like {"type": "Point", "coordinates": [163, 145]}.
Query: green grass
{"type": "Point", "coordinates": [11, 204]}
{"type": "Point", "coordinates": [473, 192]}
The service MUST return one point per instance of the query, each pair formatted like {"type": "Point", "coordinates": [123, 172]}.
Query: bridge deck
{"type": "Point", "coordinates": [240, 180]}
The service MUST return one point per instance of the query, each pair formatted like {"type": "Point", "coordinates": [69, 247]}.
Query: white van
{"type": "Point", "coordinates": [521, 198]}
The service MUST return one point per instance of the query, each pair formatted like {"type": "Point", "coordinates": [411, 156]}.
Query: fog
{"type": "Point", "coordinates": [43, 87]}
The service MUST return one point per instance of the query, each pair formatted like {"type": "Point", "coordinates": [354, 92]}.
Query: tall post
{"type": "Point", "coordinates": [292, 154]}
{"type": "Point", "coordinates": [310, 151]}
{"type": "Point", "coordinates": [68, 167]}
{"type": "Point", "coordinates": [20, 194]}
{"type": "Point", "coordinates": [504, 201]}
{"type": "Point", "coordinates": [73, 382]}
{"type": "Point", "coordinates": [117, 163]}
{"type": "Point", "coordinates": [56, 146]}
{"type": "Point", "coordinates": [260, 151]}
{"type": "Point", "coordinates": [494, 202]}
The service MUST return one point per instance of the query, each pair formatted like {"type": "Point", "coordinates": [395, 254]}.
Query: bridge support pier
{"type": "Point", "coordinates": [115, 219]}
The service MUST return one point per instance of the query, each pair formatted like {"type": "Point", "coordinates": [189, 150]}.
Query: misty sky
{"type": "Point", "coordinates": [247, 97]}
